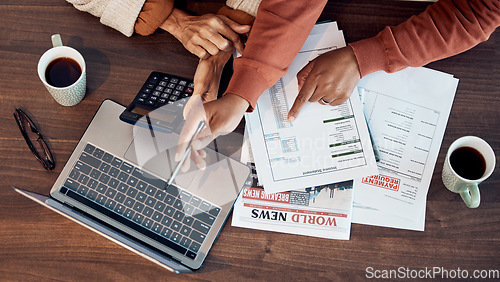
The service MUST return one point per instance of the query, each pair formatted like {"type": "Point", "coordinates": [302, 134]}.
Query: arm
{"type": "Point", "coordinates": [444, 29]}
{"type": "Point", "coordinates": [279, 30]}
{"type": "Point", "coordinates": [118, 14]}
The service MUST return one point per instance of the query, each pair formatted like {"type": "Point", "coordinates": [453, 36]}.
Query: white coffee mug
{"type": "Point", "coordinates": [69, 95]}
{"type": "Point", "coordinates": [468, 188]}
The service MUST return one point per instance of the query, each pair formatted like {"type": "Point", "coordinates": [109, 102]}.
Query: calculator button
{"type": "Point", "coordinates": [174, 80]}
{"type": "Point", "coordinates": [159, 88]}
{"type": "Point", "coordinates": [189, 90]}
{"type": "Point", "coordinates": [164, 96]}
{"type": "Point", "coordinates": [154, 78]}
{"type": "Point", "coordinates": [141, 100]}
{"type": "Point", "coordinates": [183, 82]}
{"type": "Point", "coordinates": [156, 93]}
{"type": "Point", "coordinates": [171, 85]}
{"type": "Point", "coordinates": [150, 85]}
{"type": "Point", "coordinates": [176, 93]}
{"type": "Point", "coordinates": [150, 103]}
{"type": "Point", "coordinates": [163, 83]}
{"type": "Point", "coordinates": [167, 90]}
{"type": "Point", "coordinates": [147, 91]}
{"type": "Point", "coordinates": [179, 87]}
{"type": "Point", "coordinates": [173, 98]}
{"type": "Point", "coordinates": [191, 85]}
{"type": "Point", "coordinates": [162, 101]}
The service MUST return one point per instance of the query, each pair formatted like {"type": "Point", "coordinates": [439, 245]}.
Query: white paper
{"type": "Point", "coordinates": [323, 145]}
{"type": "Point", "coordinates": [323, 211]}
{"type": "Point", "coordinates": [407, 113]}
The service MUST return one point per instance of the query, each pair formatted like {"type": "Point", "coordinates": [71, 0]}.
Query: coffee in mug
{"type": "Point", "coordinates": [469, 161]}
{"type": "Point", "coordinates": [63, 72]}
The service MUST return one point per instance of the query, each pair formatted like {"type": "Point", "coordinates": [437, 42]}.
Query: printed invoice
{"type": "Point", "coordinates": [323, 145]}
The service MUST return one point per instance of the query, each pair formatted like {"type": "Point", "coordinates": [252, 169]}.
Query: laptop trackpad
{"type": "Point", "coordinates": [154, 152]}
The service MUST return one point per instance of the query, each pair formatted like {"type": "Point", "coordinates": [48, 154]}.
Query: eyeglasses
{"type": "Point", "coordinates": [44, 155]}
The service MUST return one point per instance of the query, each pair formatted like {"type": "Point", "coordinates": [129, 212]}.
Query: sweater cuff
{"type": "Point", "coordinates": [247, 82]}
{"type": "Point", "coordinates": [121, 15]}
{"type": "Point", "coordinates": [371, 55]}
{"type": "Point", "coordinates": [153, 15]}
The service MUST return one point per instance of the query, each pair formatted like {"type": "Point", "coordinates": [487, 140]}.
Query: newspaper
{"type": "Point", "coordinates": [322, 211]}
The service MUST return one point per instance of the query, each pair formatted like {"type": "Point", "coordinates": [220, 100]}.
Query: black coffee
{"type": "Point", "coordinates": [468, 162]}
{"type": "Point", "coordinates": [62, 72]}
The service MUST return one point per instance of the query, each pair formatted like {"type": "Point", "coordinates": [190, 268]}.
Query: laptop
{"type": "Point", "coordinates": [114, 183]}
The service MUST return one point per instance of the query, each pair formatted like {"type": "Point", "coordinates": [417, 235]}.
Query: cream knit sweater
{"type": "Point", "coordinates": [118, 14]}
{"type": "Point", "coordinates": [122, 14]}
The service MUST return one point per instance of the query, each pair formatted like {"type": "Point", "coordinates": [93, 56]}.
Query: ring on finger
{"type": "Point", "coordinates": [324, 102]}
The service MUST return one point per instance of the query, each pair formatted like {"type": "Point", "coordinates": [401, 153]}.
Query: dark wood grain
{"type": "Point", "coordinates": [38, 244]}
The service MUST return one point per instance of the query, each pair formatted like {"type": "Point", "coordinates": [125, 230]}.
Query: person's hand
{"type": "Point", "coordinates": [205, 35]}
{"type": "Point", "coordinates": [222, 117]}
{"type": "Point", "coordinates": [328, 79]}
{"type": "Point", "coordinates": [207, 78]}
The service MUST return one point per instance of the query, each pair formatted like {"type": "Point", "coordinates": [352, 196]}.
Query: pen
{"type": "Point", "coordinates": [184, 156]}
{"type": "Point", "coordinates": [362, 100]}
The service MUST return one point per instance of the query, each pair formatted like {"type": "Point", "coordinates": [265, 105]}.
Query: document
{"type": "Point", "coordinates": [323, 211]}
{"type": "Point", "coordinates": [324, 145]}
{"type": "Point", "coordinates": [407, 113]}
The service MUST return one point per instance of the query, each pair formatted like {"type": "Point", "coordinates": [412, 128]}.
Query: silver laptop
{"type": "Point", "coordinates": [114, 183]}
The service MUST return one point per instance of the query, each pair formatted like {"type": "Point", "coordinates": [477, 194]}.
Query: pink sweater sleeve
{"type": "Point", "coordinates": [444, 29]}
{"type": "Point", "coordinates": [280, 29]}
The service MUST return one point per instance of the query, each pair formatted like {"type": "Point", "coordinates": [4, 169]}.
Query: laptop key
{"type": "Point", "coordinates": [111, 193]}
{"type": "Point", "coordinates": [90, 160]}
{"type": "Point", "coordinates": [138, 218]}
{"type": "Point", "coordinates": [132, 192]}
{"type": "Point", "coordinates": [138, 207]}
{"type": "Point", "coordinates": [120, 197]}
{"type": "Point", "coordinates": [185, 230]}
{"type": "Point", "coordinates": [71, 184]}
{"type": "Point", "coordinates": [129, 214]}
{"type": "Point", "coordinates": [147, 211]}
{"type": "Point", "coordinates": [188, 220]}
{"type": "Point", "coordinates": [116, 162]}
{"type": "Point", "coordinates": [101, 199]}
{"type": "Point", "coordinates": [205, 217]}
{"type": "Point", "coordinates": [120, 209]}
{"type": "Point", "coordinates": [114, 172]}
{"type": "Point", "coordinates": [127, 167]}
{"type": "Point", "coordinates": [150, 202]}
{"type": "Point", "coordinates": [166, 221]}
{"type": "Point", "coordinates": [83, 167]}
{"type": "Point", "coordinates": [214, 211]}
{"type": "Point", "coordinates": [141, 197]}
{"type": "Point", "coordinates": [129, 202]}
{"type": "Point", "coordinates": [107, 158]}
{"type": "Point", "coordinates": [195, 247]}
{"type": "Point", "coordinates": [98, 153]}
{"type": "Point", "coordinates": [197, 236]}
{"type": "Point", "coordinates": [74, 174]}
{"type": "Point", "coordinates": [200, 226]}
{"type": "Point", "coordinates": [89, 148]}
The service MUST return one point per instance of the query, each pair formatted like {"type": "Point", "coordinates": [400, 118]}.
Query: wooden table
{"type": "Point", "coordinates": [38, 244]}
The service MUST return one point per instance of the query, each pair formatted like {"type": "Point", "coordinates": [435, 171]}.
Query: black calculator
{"type": "Point", "coordinates": [163, 93]}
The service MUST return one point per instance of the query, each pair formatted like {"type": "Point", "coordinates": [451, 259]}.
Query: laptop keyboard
{"type": "Point", "coordinates": [124, 192]}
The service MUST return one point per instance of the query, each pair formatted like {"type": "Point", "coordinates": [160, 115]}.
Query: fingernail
{"type": "Point", "coordinates": [291, 118]}
{"type": "Point", "coordinates": [177, 157]}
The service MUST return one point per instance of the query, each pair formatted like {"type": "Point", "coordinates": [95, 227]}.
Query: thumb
{"type": "Point", "coordinates": [304, 73]}
{"type": "Point", "coordinates": [236, 27]}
